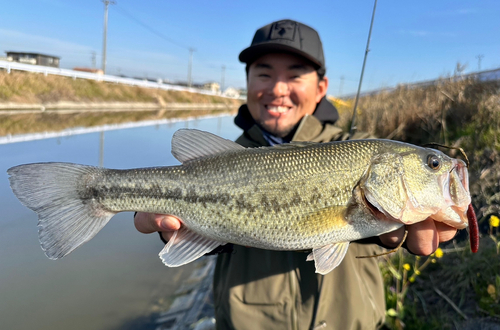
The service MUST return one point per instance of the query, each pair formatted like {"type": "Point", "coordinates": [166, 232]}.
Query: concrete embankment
{"type": "Point", "coordinates": [65, 107]}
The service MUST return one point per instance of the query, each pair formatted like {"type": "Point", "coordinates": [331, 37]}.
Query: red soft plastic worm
{"type": "Point", "coordinates": [473, 229]}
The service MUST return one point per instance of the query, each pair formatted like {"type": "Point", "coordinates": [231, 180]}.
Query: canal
{"type": "Point", "coordinates": [115, 280]}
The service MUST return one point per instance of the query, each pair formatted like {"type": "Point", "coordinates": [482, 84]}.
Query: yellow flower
{"type": "Point", "coordinates": [433, 260]}
{"type": "Point", "coordinates": [439, 253]}
{"type": "Point", "coordinates": [491, 291]}
{"type": "Point", "coordinates": [411, 279]}
{"type": "Point", "coordinates": [494, 221]}
{"type": "Point", "coordinates": [406, 266]}
{"type": "Point", "coordinates": [417, 272]}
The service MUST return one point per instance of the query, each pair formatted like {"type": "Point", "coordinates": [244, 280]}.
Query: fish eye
{"type": "Point", "coordinates": [433, 162]}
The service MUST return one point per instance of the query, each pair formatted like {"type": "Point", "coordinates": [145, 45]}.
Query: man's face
{"type": "Point", "coordinates": [282, 88]}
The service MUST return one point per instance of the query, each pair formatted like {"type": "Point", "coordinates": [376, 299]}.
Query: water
{"type": "Point", "coordinates": [117, 277]}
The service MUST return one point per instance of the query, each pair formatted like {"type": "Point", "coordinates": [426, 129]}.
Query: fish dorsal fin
{"type": "Point", "coordinates": [189, 144]}
{"type": "Point", "coordinates": [328, 257]}
{"type": "Point", "coordinates": [186, 246]}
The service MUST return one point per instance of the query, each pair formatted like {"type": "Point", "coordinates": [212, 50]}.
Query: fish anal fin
{"type": "Point", "coordinates": [186, 246]}
{"type": "Point", "coordinates": [328, 257]}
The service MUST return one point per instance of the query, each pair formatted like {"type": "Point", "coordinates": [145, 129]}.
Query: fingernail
{"type": "Point", "coordinates": [165, 223]}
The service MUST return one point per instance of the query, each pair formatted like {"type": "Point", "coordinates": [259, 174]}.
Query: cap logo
{"type": "Point", "coordinates": [283, 30]}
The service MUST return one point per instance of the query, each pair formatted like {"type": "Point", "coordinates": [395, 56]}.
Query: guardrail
{"type": "Point", "coordinates": [487, 75]}
{"type": "Point", "coordinates": [99, 77]}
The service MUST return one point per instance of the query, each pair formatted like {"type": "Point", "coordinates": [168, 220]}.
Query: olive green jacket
{"type": "Point", "coordinates": [261, 289]}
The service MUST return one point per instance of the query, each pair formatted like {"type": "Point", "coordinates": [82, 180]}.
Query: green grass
{"type": "Point", "coordinates": [470, 281]}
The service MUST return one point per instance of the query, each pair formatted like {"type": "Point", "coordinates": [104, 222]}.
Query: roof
{"type": "Point", "coordinates": [30, 53]}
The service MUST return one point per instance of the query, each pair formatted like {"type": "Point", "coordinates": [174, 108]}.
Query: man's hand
{"type": "Point", "coordinates": [149, 223]}
{"type": "Point", "coordinates": [423, 237]}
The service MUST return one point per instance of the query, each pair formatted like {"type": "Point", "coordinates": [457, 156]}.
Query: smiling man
{"type": "Point", "coordinates": [261, 289]}
{"type": "Point", "coordinates": [282, 89]}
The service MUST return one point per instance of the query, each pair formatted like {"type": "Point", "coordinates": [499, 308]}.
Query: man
{"type": "Point", "coordinates": [260, 289]}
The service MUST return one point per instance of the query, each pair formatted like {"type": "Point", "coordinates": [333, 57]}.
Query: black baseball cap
{"type": "Point", "coordinates": [286, 36]}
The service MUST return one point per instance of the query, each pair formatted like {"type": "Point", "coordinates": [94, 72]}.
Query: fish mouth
{"type": "Point", "coordinates": [405, 207]}
{"type": "Point", "coordinates": [456, 196]}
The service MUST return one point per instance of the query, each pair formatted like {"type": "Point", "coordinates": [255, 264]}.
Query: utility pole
{"type": "Point", "coordinates": [191, 50]}
{"type": "Point", "coordinates": [93, 59]}
{"type": "Point", "coordinates": [479, 58]}
{"type": "Point", "coordinates": [106, 4]}
{"type": "Point", "coordinates": [222, 78]}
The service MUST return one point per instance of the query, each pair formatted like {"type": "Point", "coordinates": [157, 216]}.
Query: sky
{"type": "Point", "coordinates": [411, 40]}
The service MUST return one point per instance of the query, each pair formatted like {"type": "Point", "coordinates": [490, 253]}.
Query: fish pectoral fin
{"type": "Point", "coordinates": [189, 144]}
{"type": "Point", "coordinates": [186, 246]}
{"type": "Point", "coordinates": [328, 257]}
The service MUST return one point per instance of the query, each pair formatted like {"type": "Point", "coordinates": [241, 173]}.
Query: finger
{"type": "Point", "coordinates": [445, 232]}
{"type": "Point", "coordinates": [148, 222]}
{"type": "Point", "coordinates": [423, 238]}
{"type": "Point", "coordinates": [393, 238]}
{"type": "Point", "coordinates": [145, 222]}
{"type": "Point", "coordinates": [169, 223]}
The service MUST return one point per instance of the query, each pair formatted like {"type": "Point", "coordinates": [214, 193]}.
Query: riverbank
{"type": "Point", "coordinates": [32, 88]}
{"type": "Point", "coordinates": [34, 103]}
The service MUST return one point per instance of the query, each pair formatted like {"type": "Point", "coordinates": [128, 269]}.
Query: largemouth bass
{"type": "Point", "coordinates": [297, 196]}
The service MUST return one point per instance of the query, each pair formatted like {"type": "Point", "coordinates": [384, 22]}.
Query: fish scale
{"type": "Point", "coordinates": [225, 205]}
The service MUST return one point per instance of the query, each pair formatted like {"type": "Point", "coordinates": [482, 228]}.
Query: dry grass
{"type": "Point", "coordinates": [23, 87]}
{"type": "Point", "coordinates": [438, 113]}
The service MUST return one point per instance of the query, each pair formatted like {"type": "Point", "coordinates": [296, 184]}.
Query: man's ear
{"type": "Point", "coordinates": [322, 88]}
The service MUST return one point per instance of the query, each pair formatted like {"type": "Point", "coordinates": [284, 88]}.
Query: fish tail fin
{"type": "Point", "coordinates": [66, 220]}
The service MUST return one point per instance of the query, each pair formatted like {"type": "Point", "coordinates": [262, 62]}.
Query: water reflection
{"type": "Point", "coordinates": [115, 277]}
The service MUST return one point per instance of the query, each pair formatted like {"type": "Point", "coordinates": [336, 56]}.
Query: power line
{"type": "Point", "coordinates": [150, 29]}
